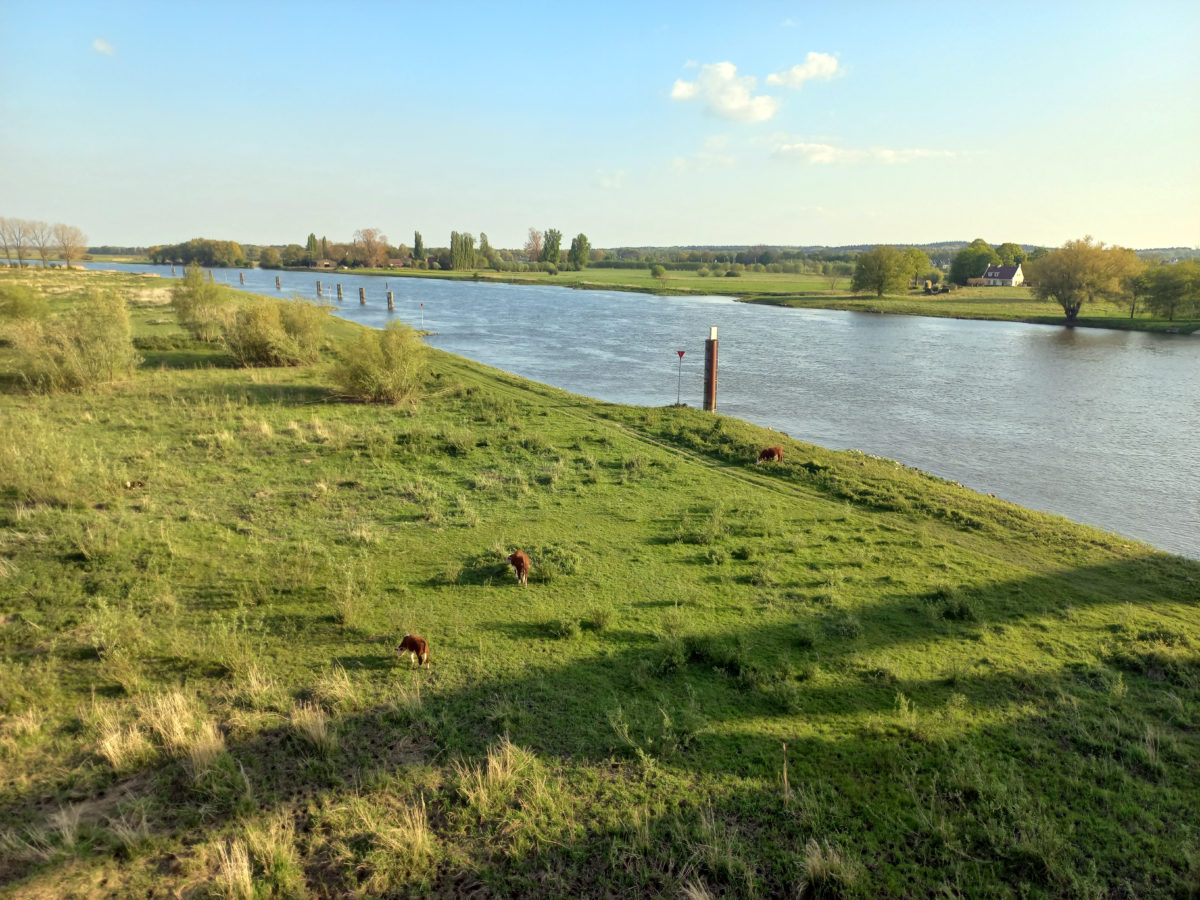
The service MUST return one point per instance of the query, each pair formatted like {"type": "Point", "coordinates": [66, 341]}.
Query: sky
{"type": "Point", "coordinates": [637, 124]}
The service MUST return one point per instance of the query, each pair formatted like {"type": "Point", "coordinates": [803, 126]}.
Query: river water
{"type": "Point", "coordinates": [1100, 426]}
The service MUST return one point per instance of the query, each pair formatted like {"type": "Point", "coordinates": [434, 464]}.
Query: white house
{"type": "Point", "coordinates": [1008, 276]}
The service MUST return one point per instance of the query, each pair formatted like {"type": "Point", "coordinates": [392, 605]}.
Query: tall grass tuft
{"type": "Point", "coordinates": [827, 871]}
{"type": "Point", "coordinates": [234, 879]}
{"type": "Point", "coordinates": [312, 724]}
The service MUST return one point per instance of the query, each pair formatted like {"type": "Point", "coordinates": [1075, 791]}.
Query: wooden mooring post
{"type": "Point", "coordinates": [242, 277]}
{"type": "Point", "coordinates": [278, 286]}
{"type": "Point", "coordinates": [362, 296]}
{"type": "Point", "coordinates": [710, 371]}
{"type": "Point", "coordinates": [318, 289]}
{"type": "Point", "coordinates": [339, 292]}
{"type": "Point", "coordinates": [391, 302]}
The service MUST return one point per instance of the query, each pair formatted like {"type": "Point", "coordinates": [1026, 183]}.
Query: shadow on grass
{"type": "Point", "coordinates": [996, 776]}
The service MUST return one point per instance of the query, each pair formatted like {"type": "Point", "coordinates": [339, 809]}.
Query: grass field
{"type": "Point", "coordinates": [834, 676]}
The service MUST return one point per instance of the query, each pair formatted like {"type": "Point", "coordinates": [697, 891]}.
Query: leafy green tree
{"type": "Point", "coordinates": [1170, 288]}
{"type": "Point", "coordinates": [462, 251]}
{"type": "Point", "coordinates": [1010, 254]}
{"type": "Point", "coordinates": [883, 269]}
{"type": "Point", "coordinates": [418, 246]}
{"type": "Point", "coordinates": [659, 271]}
{"type": "Point", "coordinates": [312, 246]}
{"type": "Point", "coordinates": [917, 261]}
{"type": "Point", "coordinates": [269, 258]}
{"type": "Point", "coordinates": [578, 255]}
{"type": "Point", "coordinates": [1080, 272]}
{"type": "Point", "coordinates": [972, 261]}
{"type": "Point", "coordinates": [551, 246]}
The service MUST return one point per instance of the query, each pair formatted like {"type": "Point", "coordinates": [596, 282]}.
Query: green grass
{"type": "Point", "coordinates": [199, 692]}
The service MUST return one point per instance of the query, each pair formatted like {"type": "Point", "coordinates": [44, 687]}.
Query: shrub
{"type": "Point", "coordinates": [384, 366]}
{"type": "Point", "coordinates": [20, 302]}
{"type": "Point", "coordinates": [92, 347]}
{"type": "Point", "coordinates": [258, 334]}
{"type": "Point", "coordinates": [202, 307]}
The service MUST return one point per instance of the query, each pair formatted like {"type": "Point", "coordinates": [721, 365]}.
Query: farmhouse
{"type": "Point", "coordinates": [1007, 276]}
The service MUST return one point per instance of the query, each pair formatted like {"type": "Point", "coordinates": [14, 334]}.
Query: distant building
{"type": "Point", "coordinates": [324, 264]}
{"type": "Point", "coordinates": [1006, 276]}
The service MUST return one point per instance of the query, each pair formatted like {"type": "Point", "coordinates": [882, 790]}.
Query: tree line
{"type": "Point", "coordinates": [1080, 272]}
{"type": "Point", "coordinates": [22, 238]}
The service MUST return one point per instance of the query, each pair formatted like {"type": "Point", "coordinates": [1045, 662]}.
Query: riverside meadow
{"type": "Point", "coordinates": [831, 676]}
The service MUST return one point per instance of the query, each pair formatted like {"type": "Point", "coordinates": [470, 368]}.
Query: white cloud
{"type": "Point", "coordinates": [102, 46]}
{"type": "Point", "coordinates": [727, 94]}
{"type": "Point", "coordinates": [611, 181]}
{"type": "Point", "coordinates": [815, 65]}
{"type": "Point", "coordinates": [815, 154]}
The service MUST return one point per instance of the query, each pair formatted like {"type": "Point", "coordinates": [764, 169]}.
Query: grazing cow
{"type": "Point", "coordinates": [415, 645]}
{"type": "Point", "coordinates": [771, 454]}
{"type": "Point", "coordinates": [520, 564]}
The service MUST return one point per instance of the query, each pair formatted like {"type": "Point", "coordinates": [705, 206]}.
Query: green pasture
{"type": "Point", "coordinates": [832, 676]}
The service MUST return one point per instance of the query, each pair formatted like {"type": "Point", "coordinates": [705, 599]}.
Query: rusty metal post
{"type": "Point", "coordinates": [362, 296]}
{"type": "Point", "coordinates": [339, 291]}
{"type": "Point", "coordinates": [710, 371]}
{"type": "Point", "coordinates": [278, 286]}
{"type": "Point", "coordinates": [391, 303]}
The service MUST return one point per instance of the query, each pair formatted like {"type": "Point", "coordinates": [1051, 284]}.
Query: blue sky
{"type": "Point", "coordinates": [634, 123]}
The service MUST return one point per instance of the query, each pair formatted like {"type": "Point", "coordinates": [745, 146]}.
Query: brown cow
{"type": "Point", "coordinates": [415, 645]}
{"type": "Point", "coordinates": [771, 454]}
{"type": "Point", "coordinates": [520, 564]}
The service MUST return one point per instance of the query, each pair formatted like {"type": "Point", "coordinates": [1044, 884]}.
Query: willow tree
{"type": "Point", "coordinates": [1082, 271]}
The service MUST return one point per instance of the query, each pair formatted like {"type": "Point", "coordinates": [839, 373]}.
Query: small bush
{"type": "Point", "coordinates": [275, 333]}
{"type": "Point", "coordinates": [90, 348]}
{"type": "Point", "coordinates": [384, 366]}
{"type": "Point", "coordinates": [565, 627]}
{"type": "Point", "coordinates": [674, 654]}
{"type": "Point", "coordinates": [598, 617]}
{"type": "Point", "coordinates": [20, 302]}
{"type": "Point", "coordinates": [203, 308]}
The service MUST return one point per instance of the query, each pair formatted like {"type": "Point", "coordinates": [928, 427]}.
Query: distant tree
{"type": "Point", "coordinates": [917, 261]}
{"type": "Point", "coordinates": [72, 243]}
{"type": "Point", "coordinates": [533, 246]}
{"type": "Point", "coordinates": [418, 247]}
{"type": "Point", "coordinates": [370, 247]}
{"type": "Point", "coordinates": [17, 237]}
{"type": "Point", "coordinates": [312, 246]}
{"type": "Point", "coordinates": [883, 269]}
{"type": "Point", "coordinates": [972, 261]}
{"type": "Point", "coordinates": [1036, 253]}
{"type": "Point", "coordinates": [1080, 272]}
{"type": "Point", "coordinates": [462, 251]}
{"type": "Point", "coordinates": [40, 235]}
{"type": "Point", "coordinates": [659, 271]}
{"type": "Point", "coordinates": [1134, 287]}
{"type": "Point", "coordinates": [552, 246]}
{"type": "Point", "coordinates": [579, 254]}
{"type": "Point", "coordinates": [1171, 287]}
{"type": "Point", "coordinates": [293, 255]}
{"type": "Point", "coordinates": [4, 241]}
{"type": "Point", "coordinates": [269, 258]}
{"type": "Point", "coordinates": [1010, 254]}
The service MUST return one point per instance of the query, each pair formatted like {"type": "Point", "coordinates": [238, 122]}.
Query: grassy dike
{"type": "Point", "coordinates": [203, 571]}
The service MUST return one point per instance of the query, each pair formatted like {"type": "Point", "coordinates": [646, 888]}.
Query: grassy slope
{"type": "Point", "coordinates": [975, 698]}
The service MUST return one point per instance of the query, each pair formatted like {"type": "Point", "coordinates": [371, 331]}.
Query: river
{"type": "Point", "coordinates": [1100, 426]}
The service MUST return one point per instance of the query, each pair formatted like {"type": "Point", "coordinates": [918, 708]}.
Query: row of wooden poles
{"type": "Point", "coordinates": [362, 293]}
